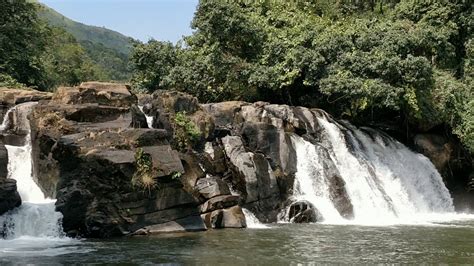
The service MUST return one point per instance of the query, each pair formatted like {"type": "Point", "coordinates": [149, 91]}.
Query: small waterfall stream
{"type": "Point", "coordinates": [36, 217]}
{"type": "Point", "coordinates": [149, 119]}
{"type": "Point", "coordinates": [252, 221]}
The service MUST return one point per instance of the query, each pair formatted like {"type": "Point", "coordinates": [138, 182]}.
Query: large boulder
{"type": "Point", "coordinates": [219, 202]}
{"type": "Point", "coordinates": [88, 144]}
{"type": "Point", "coordinates": [9, 197]}
{"type": "Point", "coordinates": [98, 198]}
{"type": "Point", "coordinates": [225, 218]}
{"type": "Point", "coordinates": [252, 171]}
{"type": "Point", "coordinates": [211, 187]}
{"type": "Point", "coordinates": [304, 212]}
{"type": "Point", "coordinates": [436, 147]}
{"type": "Point", "coordinates": [110, 94]}
{"type": "Point", "coordinates": [10, 97]}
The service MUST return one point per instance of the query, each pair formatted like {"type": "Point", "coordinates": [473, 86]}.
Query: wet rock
{"type": "Point", "coordinates": [9, 197]}
{"type": "Point", "coordinates": [3, 161]}
{"type": "Point", "coordinates": [187, 224]}
{"type": "Point", "coordinates": [304, 212]}
{"type": "Point", "coordinates": [138, 118]}
{"type": "Point", "coordinates": [225, 218]}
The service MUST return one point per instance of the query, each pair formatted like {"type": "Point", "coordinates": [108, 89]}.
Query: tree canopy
{"type": "Point", "coordinates": [408, 60]}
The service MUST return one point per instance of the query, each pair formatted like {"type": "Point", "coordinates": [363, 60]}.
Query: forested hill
{"type": "Point", "coordinates": [85, 33]}
{"type": "Point", "coordinates": [107, 48]}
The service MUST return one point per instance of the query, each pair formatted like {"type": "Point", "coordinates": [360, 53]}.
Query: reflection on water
{"type": "Point", "coordinates": [280, 244]}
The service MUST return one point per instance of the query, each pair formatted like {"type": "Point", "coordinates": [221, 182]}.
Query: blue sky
{"type": "Point", "coordinates": [165, 20]}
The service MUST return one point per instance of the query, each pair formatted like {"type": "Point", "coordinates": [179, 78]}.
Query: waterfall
{"type": "Point", "coordinates": [149, 119]}
{"type": "Point", "coordinates": [385, 182]}
{"type": "Point", "coordinates": [311, 183]}
{"type": "Point", "coordinates": [36, 217]}
{"type": "Point", "coordinates": [252, 221]}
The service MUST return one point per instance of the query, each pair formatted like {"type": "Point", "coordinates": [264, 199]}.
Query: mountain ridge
{"type": "Point", "coordinates": [83, 32]}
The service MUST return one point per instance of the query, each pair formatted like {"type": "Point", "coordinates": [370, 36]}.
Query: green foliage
{"type": "Point", "coordinates": [152, 62]}
{"type": "Point", "coordinates": [65, 62]}
{"type": "Point", "coordinates": [38, 55]}
{"type": "Point", "coordinates": [176, 175]}
{"type": "Point", "coordinates": [144, 174]}
{"type": "Point", "coordinates": [386, 59]}
{"type": "Point", "coordinates": [113, 62]}
{"type": "Point", "coordinates": [186, 133]}
{"type": "Point", "coordinates": [21, 42]}
{"type": "Point", "coordinates": [9, 82]}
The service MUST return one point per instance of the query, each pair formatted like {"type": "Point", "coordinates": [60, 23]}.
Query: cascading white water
{"type": "Point", "coordinates": [149, 119]}
{"type": "Point", "coordinates": [252, 221]}
{"type": "Point", "coordinates": [385, 181]}
{"type": "Point", "coordinates": [36, 217]}
{"type": "Point", "coordinates": [311, 183]}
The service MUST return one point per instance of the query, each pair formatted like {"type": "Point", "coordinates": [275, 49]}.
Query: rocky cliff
{"type": "Point", "coordinates": [195, 168]}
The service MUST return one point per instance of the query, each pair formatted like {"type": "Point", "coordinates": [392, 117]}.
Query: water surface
{"type": "Point", "coordinates": [279, 244]}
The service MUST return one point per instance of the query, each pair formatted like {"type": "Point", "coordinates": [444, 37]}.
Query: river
{"type": "Point", "coordinates": [451, 243]}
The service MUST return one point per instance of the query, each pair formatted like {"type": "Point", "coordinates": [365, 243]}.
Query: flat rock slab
{"type": "Point", "coordinates": [111, 94]}
{"type": "Point", "coordinates": [9, 96]}
{"type": "Point", "coordinates": [165, 160]}
{"type": "Point", "coordinates": [187, 224]}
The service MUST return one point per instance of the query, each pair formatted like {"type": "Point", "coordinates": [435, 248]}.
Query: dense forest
{"type": "Point", "coordinates": [42, 49]}
{"type": "Point", "coordinates": [408, 62]}
{"type": "Point", "coordinates": [405, 62]}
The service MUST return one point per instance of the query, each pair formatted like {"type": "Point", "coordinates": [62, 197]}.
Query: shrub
{"type": "Point", "coordinates": [144, 174]}
{"type": "Point", "coordinates": [186, 133]}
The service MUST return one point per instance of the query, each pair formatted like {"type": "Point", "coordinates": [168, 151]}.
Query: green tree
{"type": "Point", "coordinates": [21, 42]}
{"type": "Point", "coordinates": [65, 61]}
{"type": "Point", "coordinates": [401, 60]}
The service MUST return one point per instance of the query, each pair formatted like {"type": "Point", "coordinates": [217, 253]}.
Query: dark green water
{"type": "Point", "coordinates": [280, 244]}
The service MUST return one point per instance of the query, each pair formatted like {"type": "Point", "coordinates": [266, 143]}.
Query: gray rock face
{"type": "Point", "coordinates": [254, 171]}
{"type": "Point", "coordinates": [225, 218]}
{"type": "Point", "coordinates": [9, 197]}
{"type": "Point", "coordinates": [435, 147]}
{"type": "Point", "coordinates": [85, 143]}
{"type": "Point", "coordinates": [211, 187]}
{"type": "Point", "coordinates": [219, 202]}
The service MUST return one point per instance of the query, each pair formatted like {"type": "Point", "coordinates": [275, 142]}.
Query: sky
{"type": "Point", "coordinates": [164, 20]}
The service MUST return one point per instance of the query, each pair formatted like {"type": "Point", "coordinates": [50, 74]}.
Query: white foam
{"type": "Point", "coordinates": [387, 183]}
{"type": "Point", "coordinates": [252, 221]}
{"type": "Point", "coordinates": [149, 119]}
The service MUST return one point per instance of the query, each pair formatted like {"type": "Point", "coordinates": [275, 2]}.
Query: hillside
{"type": "Point", "coordinates": [107, 48]}
{"type": "Point", "coordinates": [82, 32]}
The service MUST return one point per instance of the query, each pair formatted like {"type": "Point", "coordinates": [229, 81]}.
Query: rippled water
{"type": "Point", "coordinates": [279, 244]}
